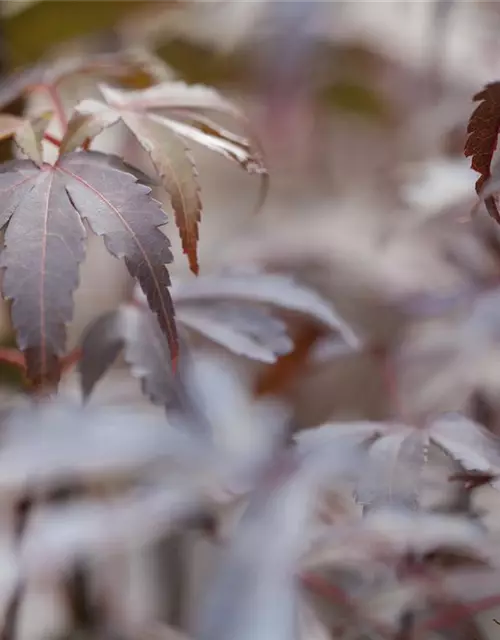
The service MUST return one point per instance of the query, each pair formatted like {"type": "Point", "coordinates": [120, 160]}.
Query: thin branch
{"type": "Point", "coordinates": [58, 106]}
{"type": "Point", "coordinates": [52, 139]}
{"type": "Point", "coordinates": [383, 357]}
{"type": "Point", "coordinates": [13, 357]}
{"type": "Point", "coordinates": [71, 359]}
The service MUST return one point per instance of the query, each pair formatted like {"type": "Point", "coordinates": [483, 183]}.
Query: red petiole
{"type": "Point", "coordinates": [52, 139]}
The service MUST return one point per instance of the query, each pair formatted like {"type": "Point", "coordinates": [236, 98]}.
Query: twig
{"type": "Point", "coordinates": [52, 139]}
{"type": "Point", "coordinates": [58, 106]}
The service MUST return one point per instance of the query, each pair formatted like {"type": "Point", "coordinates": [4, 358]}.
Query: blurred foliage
{"type": "Point", "coordinates": [356, 99]}
{"type": "Point", "coordinates": [31, 33]}
{"type": "Point", "coordinates": [198, 63]}
{"type": "Point", "coordinates": [10, 375]}
{"type": "Point", "coordinates": [351, 93]}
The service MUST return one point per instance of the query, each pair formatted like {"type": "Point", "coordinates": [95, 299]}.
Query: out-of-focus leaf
{"type": "Point", "coordinates": [247, 432]}
{"type": "Point", "coordinates": [27, 133]}
{"type": "Point", "coordinates": [234, 293]}
{"type": "Point", "coordinates": [250, 332]}
{"type": "Point", "coordinates": [393, 470]}
{"type": "Point", "coordinates": [395, 532]}
{"type": "Point", "coordinates": [170, 96]}
{"type": "Point", "coordinates": [310, 625]}
{"type": "Point", "coordinates": [338, 449]}
{"type": "Point", "coordinates": [57, 536]}
{"type": "Point", "coordinates": [144, 114]}
{"type": "Point", "coordinates": [247, 331]}
{"type": "Point", "coordinates": [442, 11]}
{"type": "Point", "coordinates": [30, 135]}
{"type": "Point", "coordinates": [489, 192]}
{"type": "Point", "coordinates": [209, 134]}
{"type": "Point", "coordinates": [9, 125]}
{"type": "Point", "coordinates": [44, 244]}
{"type": "Point", "coordinates": [271, 289]}
{"type": "Point", "coordinates": [93, 118]}
{"type": "Point", "coordinates": [355, 99]}
{"type": "Point", "coordinates": [473, 446]}
{"type": "Point", "coordinates": [101, 345]}
{"type": "Point", "coordinates": [327, 437]}
{"type": "Point", "coordinates": [254, 593]}
{"type": "Point", "coordinates": [44, 444]}
{"type": "Point", "coordinates": [52, 72]}
{"type": "Point", "coordinates": [228, 311]}
{"type": "Point", "coordinates": [423, 532]}
{"type": "Point", "coordinates": [329, 347]}
{"type": "Point", "coordinates": [205, 396]}
{"type": "Point", "coordinates": [198, 63]}
{"type": "Point", "coordinates": [146, 351]}
{"type": "Point", "coordinates": [483, 130]}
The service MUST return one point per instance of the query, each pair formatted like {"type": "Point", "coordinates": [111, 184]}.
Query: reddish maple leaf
{"type": "Point", "coordinates": [483, 130]}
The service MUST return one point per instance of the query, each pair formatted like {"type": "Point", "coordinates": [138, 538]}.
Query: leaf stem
{"type": "Point", "coordinates": [52, 139]}
{"type": "Point", "coordinates": [383, 357]}
{"type": "Point", "coordinates": [13, 357]}
{"type": "Point", "coordinates": [58, 106]}
{"type": "Point", "coordinates": [71, 359]}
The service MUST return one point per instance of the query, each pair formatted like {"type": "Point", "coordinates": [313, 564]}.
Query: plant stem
{"type": "Point", "coordinates": [52, 139]}
{"type": "Point", "coordinates": [383, 357]}
{"type": "Point", "coordinates": [71, 359]}
{"type": "Point", "coordinates": [58, 106]}
{"type": "Point", "coordinates": [12, 356]}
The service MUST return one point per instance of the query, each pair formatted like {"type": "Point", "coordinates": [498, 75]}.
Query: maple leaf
{"type": "Point", "coordinates": [27, 133]}
{"type": "Point", "coordinates": [52, 72]}
{"type": "Point", "coordinates": [161, 118]}
{"type": "Point", "coordinates": [483, 130]}
{"type": "Point", "coordinates": [253, 333]}
{"type": "Point", "coordinates": [392, 474]}
{"type": "Point", "coordinates": [44, 245]}
{"type": "Point", "coordinates": [229, 309]}
{"type": "Point", "coordinates": [394, 532]}
{"type": "Point", "coordinates": [255, 579]}
{"type": "Point", "coordinates": [136, 331]}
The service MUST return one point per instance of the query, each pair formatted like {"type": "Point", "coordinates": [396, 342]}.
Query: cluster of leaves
{"type": "Point", "coordinates": [43, 206]}
{"type": "Point", "coordinates": [235, 310]}
{"type": "Point", "coordinates": [221, 465]}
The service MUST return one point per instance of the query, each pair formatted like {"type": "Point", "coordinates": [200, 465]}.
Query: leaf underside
{"type": "Point", "coordinates": [161, 118]}
{"type": "Point", "coordinates": [44, 245]}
